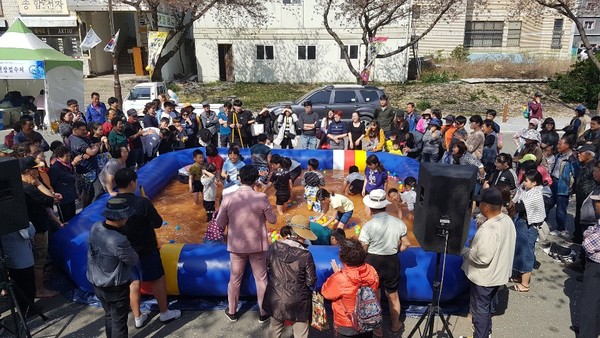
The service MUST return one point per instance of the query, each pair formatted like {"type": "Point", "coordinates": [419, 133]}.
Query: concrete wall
{"type": "Point", "coordinates": [536, 31]}
{"type": "Point", "coordinates": [291, 26]}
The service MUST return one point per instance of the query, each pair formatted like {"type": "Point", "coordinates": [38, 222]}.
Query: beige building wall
{"type": "Point", "coordinates": [536, 33]}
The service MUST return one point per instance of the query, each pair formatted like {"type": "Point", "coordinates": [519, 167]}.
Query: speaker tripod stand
{"type": "Point", "coordinates": [21, 329]}
{"type": "Point", "coordinates": [433, 308]}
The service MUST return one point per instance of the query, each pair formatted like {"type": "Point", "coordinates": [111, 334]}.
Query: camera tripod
{"type": "Point", "coordinates": [433, 308]}
{"type": "Point", "coordinates": [14, 292]}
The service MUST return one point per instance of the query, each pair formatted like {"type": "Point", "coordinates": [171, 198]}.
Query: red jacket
{"type": "Point", "coordinates": [341, 288]}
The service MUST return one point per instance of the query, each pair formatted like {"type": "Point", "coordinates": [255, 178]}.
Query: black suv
{"type": "Point", "coordinates": [347, 98]}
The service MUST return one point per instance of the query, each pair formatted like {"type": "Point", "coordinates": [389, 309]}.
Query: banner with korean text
{"type": "Point", "coordinates": [43, 7]}
{"type": "Point", "coordinates": [156, 42]}
{"type": "Point", "coordinates": [22, 70]}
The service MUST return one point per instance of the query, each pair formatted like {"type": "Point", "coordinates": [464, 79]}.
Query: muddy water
{"type": "Point", "coordinates": [186, 221]}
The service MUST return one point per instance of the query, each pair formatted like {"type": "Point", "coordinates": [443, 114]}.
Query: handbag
{"type": "Point", "coordinates": [319, 316]}
{"type": "Point", "coordinates": [288, 134]}
{"type": "Point", "coordinates": [257, 129]}
{"type": "Point", "coordinates": [543, 231]}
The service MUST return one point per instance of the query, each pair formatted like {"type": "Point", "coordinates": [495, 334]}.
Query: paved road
{"type": "Point", "coordinates": [546, 311]}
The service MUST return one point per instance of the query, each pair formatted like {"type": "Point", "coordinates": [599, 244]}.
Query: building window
{"type": "Point", "coordinates": [484, 33]}
{"type": "Point", "coordinates": [557, 33]}
{"type": "Point", "coordinates": [588, 25]}
{"type": "Point", "coordinates": [264, 52]}
{"type": "Point", "coordinates": [307, 52]}
{"type": "Point", "coordinates": [292, 2]}
{"type": "Point", "coordinates": [416, 12]}
{"type": "Point", "coordinates": [352, 51]}
{"type": "Point", "coordinates": [514, 34]}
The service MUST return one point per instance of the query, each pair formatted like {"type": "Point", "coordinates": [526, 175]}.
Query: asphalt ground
{"type": "Point", "coordinates": [547, 310]}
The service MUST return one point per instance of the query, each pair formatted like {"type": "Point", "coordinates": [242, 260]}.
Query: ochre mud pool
{"type": "Point", "coordinates": [186, 221]}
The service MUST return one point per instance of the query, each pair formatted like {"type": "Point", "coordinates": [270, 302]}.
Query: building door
{"type": "Point", "coordinates": [226, 63]}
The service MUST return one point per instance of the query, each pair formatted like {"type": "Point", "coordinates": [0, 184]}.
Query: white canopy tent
{"type": "Point", "coordinates": [29, 65]}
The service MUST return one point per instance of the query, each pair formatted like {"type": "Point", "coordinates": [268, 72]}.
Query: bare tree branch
{"type": "Point", "coordinates": [416, 39]}
{"type": "Point", "coordinates": [337, 39]}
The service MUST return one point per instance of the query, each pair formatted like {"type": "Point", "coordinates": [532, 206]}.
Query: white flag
{"type": "Point", "coordinates": [112, 43]}
{"type": "Point", "coordinates": [90, 41]}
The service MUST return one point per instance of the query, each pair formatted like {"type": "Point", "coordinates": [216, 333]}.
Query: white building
{"type": "Point", "coordinates": [293, 46]}
{"type": "Point", "coordinates": [63, 24]}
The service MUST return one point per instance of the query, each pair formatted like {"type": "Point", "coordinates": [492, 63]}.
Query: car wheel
{"type": "Point", "coordinates": [366, 119]}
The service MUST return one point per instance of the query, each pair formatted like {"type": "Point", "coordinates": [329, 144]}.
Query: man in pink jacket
{"type": "Point", "coordinates": [245, 214]}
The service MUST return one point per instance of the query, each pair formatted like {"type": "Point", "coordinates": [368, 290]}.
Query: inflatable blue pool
{"type": "Point", "coordinates": [203, 270]}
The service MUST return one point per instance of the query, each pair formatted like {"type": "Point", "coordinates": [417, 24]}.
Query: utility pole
{"type": "Point", "coordinates": [117, 82]}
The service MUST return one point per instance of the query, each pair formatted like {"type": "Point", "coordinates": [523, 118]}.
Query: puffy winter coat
{"type": "Point", "coordinates": [291, 276]}
{"type": "Point", "coordinates": [341, 288]}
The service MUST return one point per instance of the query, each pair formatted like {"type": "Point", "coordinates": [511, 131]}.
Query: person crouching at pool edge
{"type": "Point", "coordinates": [340, 204]}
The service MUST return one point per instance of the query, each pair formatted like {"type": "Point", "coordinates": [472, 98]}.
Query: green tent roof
{"type": "Point", "coordinates": [19, 43]}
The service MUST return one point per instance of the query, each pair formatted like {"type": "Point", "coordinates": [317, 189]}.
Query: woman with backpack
{"type": "Point", "coordinates": [291, 276]}
{"type": "Point", "coordinates": [343, 286]}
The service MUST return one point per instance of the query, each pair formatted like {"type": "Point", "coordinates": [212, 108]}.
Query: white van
{"type": "Point", "coordinates": [143, 93]}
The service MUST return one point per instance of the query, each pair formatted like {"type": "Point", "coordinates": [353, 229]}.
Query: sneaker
{"type": "Point", "coordinates": [231, 317]}
{"type": "Point", "coordinates": [565, 234]}
{"type": "Point", "coordinates": [554, 233]}
{"type": "Point", "coordinates": [141, 320]}
{"type": "Point", "coordinates": [262, 319]}
{"type": "Point", "coordinates": [169, 315]}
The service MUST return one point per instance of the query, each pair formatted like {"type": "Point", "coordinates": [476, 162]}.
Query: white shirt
{"type": "Point", "coordinates": [209, 193]}
{"type": "Point", "coordinates": [409, 197]}
{"type": "Point", "coordinates": [383, 233]}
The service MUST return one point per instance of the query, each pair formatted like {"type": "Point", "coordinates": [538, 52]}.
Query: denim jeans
{"type": "Point", "coordinates": [560, 202]}
{"type": "Point", "coordinates": [115, 301]}
{"type": "Point", "coordinates": [308, 142]}
{"type": "Point", "coordinates": [481, 299]}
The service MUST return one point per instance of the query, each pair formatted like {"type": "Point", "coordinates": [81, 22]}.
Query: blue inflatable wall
{"type": "Point", "coordinates": [203, 270]}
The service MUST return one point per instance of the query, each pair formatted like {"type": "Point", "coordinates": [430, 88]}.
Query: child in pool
{"type": "Point", "coordinates": [376, 176]}
{"type": "Point", "coordinates": [394, 197]}
{"type": "Point", "coordinates": [209, 192]}
{"type": "Point", "coordinates": [231, 168]}
{"type": "Point", "coordinates": [195, 174]}
{"type": "Point", "coordinates": [354, 182]}
{"type": "Point", "coordinates": [312, 181]}
{"type": "Point", "coordinates": [409, 195]}
{"type": "Point", "coordinates": [341, 205]}
{"type": "Point", "coordinates": [213, 157]}
{"type": "Point", "coordinates": [280, 179]}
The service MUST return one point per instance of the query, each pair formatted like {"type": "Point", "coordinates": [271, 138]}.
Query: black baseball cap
{"type": "Point", "coordinates": [132, 112]}
{"type": "Point", "coordinates": [384, 97]}
{"type": "Point", "coordinates": [490, 196]}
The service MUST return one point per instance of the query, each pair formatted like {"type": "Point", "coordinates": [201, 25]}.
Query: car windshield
{"type": "Point", "coordinates": [139, 93]}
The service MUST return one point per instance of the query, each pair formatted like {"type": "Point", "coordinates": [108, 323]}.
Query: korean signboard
{"type": "Point", "coordinates": [22, 70]}
{"type": "Point", "coordinates": [43, 7]}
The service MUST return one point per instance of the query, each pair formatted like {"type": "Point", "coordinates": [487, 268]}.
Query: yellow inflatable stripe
{"type": "Point", "coordinates": [169, 255]}
{"type": "Point", "coordinates": [360, 159]}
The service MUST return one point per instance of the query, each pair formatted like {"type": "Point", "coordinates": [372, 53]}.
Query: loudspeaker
{"type": "Point", "coordinates": [444, 199]}
{"type": "Point", "coordinates": [13, 208]}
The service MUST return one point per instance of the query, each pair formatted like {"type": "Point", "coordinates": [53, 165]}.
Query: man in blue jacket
{"type": "Point", "coordinates": [96, 111]}
{"type": "Point", "coordinates": [563, 172]}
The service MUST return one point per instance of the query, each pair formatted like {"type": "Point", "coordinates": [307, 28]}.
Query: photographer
{"type": "Point", "coordinates": [287, 128]}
